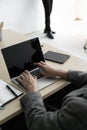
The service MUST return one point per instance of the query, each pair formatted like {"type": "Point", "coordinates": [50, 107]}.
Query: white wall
{"type": "Point", "coordinates": [26, 16]}
{"type": "Point", "coordinates": [82, 9]}
{"type": "Point", "coordinates": [22, 15]}
{"type": "Point", "coordinates": [63, 12]}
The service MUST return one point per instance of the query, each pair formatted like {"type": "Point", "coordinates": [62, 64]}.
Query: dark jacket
{"type": "Point", "coordinates": [72, 115]}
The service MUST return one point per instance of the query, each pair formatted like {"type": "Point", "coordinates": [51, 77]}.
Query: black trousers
{"type": "Point", "coordinates": [48, 9]}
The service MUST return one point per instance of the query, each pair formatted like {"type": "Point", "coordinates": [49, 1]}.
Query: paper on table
{"type": "Point", "coordinates": [5, 94]}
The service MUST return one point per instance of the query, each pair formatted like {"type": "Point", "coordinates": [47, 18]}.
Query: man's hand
{"type": "Point", "coordinates": [51, 72]}
{"type": "Point", "coordinates": [28, 81]}
{"type": "Point", "coordinates": [46, 69]}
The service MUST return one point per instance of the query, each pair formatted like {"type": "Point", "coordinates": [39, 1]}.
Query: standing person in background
{"type": "Point", "coordinates": [48, 9]}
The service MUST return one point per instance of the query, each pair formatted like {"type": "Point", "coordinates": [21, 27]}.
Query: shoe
{"type": "Point", "coordinates": [53, 32]}
{"type": "Point", "coordinates": [45, 31]}
{"type": "Point", "coordinates": [49, 35]}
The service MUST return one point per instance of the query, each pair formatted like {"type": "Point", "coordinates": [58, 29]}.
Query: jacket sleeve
{"type": "Point", "coordinates": [78, 78]}
{"type": "Point", "coordinates": [38, 119]}
{"type": "Point", "coordinates": [36, 116]}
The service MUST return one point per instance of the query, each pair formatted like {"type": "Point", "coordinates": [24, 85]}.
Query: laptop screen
{"type": "Point", "coordinates": [21, 56]}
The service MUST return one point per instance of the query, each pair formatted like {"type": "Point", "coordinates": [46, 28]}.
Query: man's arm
{"type": "Point", "coordinates": [37, 118]}
{"type": "Point", "coordinates": [77, 77]}
{"type": "Point", "coordinates": [67, 118]}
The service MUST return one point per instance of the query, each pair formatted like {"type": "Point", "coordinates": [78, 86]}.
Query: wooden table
{"type": "Point", "coordinates": [13, 108]}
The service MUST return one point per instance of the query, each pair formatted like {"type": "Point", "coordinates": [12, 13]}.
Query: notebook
{"type": "Point", "coordinates": [22, 56]}
{"type": "Point", "coordinates": [7, 93]}
{"type": "Point", "coordinates": [56, 57]}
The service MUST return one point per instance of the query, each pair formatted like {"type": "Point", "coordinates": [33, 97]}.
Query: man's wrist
{"type": "Point", "coordinates": [32, 89]}
{"type": "Point", "coordinates": [61, 73]}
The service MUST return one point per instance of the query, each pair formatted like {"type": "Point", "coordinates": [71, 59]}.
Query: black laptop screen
{"type": "Point", "coordinates": [22, 56]}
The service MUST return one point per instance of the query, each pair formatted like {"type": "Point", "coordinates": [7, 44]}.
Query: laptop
{"type": "Point", "coordinates": [22, 56]}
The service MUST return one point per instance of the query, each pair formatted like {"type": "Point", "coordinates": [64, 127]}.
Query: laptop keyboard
{"type": "Point", "coordinates": [42, 82]}
{"type": "Point", "coordinates": [37, 73]}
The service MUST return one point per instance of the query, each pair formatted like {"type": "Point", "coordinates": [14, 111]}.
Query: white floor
{"type": "Point", "coordinates": [70, 38]}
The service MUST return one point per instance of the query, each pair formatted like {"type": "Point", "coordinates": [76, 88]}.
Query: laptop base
{"type": "Point", "coordinates": [42, 83]}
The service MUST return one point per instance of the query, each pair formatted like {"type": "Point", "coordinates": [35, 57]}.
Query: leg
{"type": "Point", "coordinates": [47, 8]}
